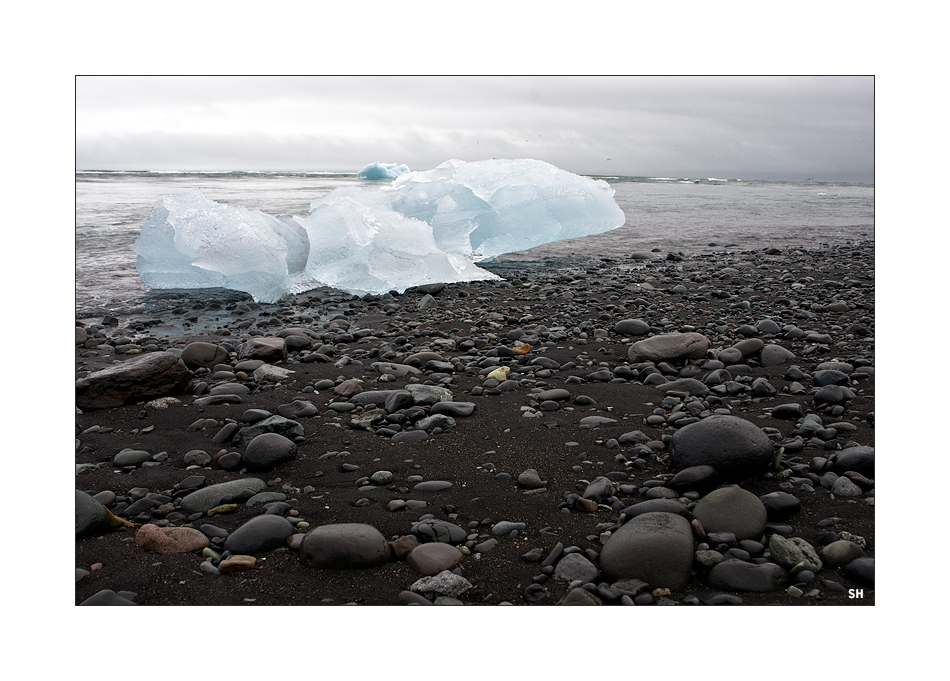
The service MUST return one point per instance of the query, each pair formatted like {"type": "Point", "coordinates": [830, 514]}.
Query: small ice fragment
{"type": "Point", "coordinates": [382, 171]}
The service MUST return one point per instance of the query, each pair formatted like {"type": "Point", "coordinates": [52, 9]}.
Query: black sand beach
{"type": "Point", "coordinates": [563, 449]}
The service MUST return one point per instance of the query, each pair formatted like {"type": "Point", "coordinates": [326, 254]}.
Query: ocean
{"type": "Point", "coordinates": [681, 215]}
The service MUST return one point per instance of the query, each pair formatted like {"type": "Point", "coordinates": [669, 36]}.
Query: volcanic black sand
{"type": "Point", "coordinates": [822, 300]}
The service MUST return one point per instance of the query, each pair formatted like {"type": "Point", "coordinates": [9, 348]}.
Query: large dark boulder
{"type": "Point", "coordinates": [736, 448]}
{"type": "Point", "coordinates": [146, 377]}
{"type": "Point", "coordinates": [654, 547]}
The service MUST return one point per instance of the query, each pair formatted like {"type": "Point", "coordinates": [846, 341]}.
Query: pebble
{"type": "Point", "coordinates": [267, 451]}
{"type": "Point", "coordinates": [576, 566]}
{"type": "Point", "coordinates": [432, 486]}
{"type": "Point", "coordinates": [344, 546]}
{"type": "Point", "coordinates": [236, 563]}
{"type": "Point", "coordinates": [432, 558]}
{"type": "Point", "coordinates": [170, 540]}
{"type": "Point", "coordinates": [445, 583]}
{"type": "Point", "coordinates": [505, 527]}
{"type": "Point", "coordinates": [259, 534]}
{"type": "Point", "coordinates": [739, 576]}
{"type": "Point", "coordinates": [734, 510]}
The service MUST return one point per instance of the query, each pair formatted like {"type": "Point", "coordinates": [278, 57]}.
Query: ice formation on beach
{"type": "Point", "coordinates": [190, 241]}
{"type": "Point", "coordinates": [425, 227]}
{"type": "Point", "coordinates": [486, 208]}
{"type": "Point", "coordinates": [367, 249]}
{"type": "Point", "coordinates": [382, 171]}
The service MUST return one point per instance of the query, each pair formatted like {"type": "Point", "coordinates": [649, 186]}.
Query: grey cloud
{"type": "Point", "coordinates": [733, 126]}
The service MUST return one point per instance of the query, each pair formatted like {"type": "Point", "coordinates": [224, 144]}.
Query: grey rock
{"type": "Point", "coordinates": [344, 546]}
{"type": "Point", "coordinates": [861, 570]}
{"type": "Point", "coordinates": [432, 558]}
{"type": "Point", "coordinates": [654, 547]}
{"type": "Point", "coordinates": [792, 552]}
{"type": "Point", "coordinates": [200, 354]}
{"type": "Point", "coordinates": [595, 421]}
{"type": "Point", "coordinates": [775, 355]}
{"type": "Point", "coordinates": [669, 347]}
{"type": "Point", "coordinates": [833, 394]}
{"type": "Point", "coordinates": [207, 498]}
{"type": "Point", "coordinates": [368, 420]}
{"type": "Point", "coordinates": [859, 459]}
{"type": "Point", "coordinates": [90, 514]}
{"type": "Point", "coordinates": [841, 552]}
{"type": "Point", "coordinates": [146, 376]}
{"type": "Point", "coordinates": [736, 448]}
{"type": "Point", "coordinates": [702, 478]}
{"type": "Point", "coordinates": [275, 424]}
{"type": "Point", "coordinates": [432, 486]}
{"type": "Point", "coordinates": [453, 408]}
{"type": "Point", "coordinates": [380, 398]}
{"type": "Point", "coordinates": [506, 526]}
{"type": "Point", "coordinates": [438, 530]}
{"type": "Point", "coordinates": [267, 451]}
{"type": "Point", "coordinates": [845, 487]}
{"type": "Point", "coordinates": [579, 596]}
{"type": "Point", "coordinates": [632, 327]}
{"type": "Point", "coordinates": [131, 457]}
{"type": "Point", "coordinates": [530, 479]}
{"type": "Point", "coordinates": [230, 389]}
{"type": "Point", "coordinates": [445, 583]}
{"type": "Point", "coordinates": [732, 509]}
{"type": "Point", "coordinates": [576, 566]}
{"type": "Point", "coordinates": [197, 457]}
{"type": "Point", "coordinates": [107, 597]}
{"type": "Point", "coordinates": [396, 369]}
{"type": "Point", "coordinates": [830, 377]}
{"type": "Point", "coordinates": [656, 506]}
{"type": "Point", "coordinates": [791, 410]}
{"type": "Point", "coordinates": [599, 489]}
{"type": "Point", "coordinates": [749, 346]}
{"type": "Point", "coordinates": [442, 421]}
{"type": "Point", "coordinates": [708, 558]}
{"type": "Point", "coordinates": [395, 400]}
{"type": "Point", "coordinates": [297, 409]}
{"type": "Point", "coordinates": [267, 349]}
{"type": "Point", "coordinates": [429, 394]}
{"type": "Point", "coordinates": [690, 386]}
{"type": "Point", "coordinates": [410, 436]}
{"type": "Point", "coordinates": [740, 576]}
{"type": "Point", "coordinates": [271, 374]}
{"type": "Point", "coordinates": [780, 505]}
{"type": "Point", "coordinates": [259, 534]}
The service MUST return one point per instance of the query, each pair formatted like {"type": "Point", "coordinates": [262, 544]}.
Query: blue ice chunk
{"type": "Point", "coordinates": [382, 171]}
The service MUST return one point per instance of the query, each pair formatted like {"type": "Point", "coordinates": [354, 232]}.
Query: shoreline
{"type": "Point", "coordinates": [567, 316]}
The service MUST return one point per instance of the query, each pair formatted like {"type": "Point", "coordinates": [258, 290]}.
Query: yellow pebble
{"type": "Point", "coordinates": [501, 373]}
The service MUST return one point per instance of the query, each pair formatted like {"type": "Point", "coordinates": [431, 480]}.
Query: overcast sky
{"type": "Point", "coordinates": [728, 127]}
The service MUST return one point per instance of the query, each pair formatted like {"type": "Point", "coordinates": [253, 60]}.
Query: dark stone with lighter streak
{"type": "Point", "coordinates": [147, 376]}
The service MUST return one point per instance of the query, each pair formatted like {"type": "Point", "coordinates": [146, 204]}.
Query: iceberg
{"type": "Point", "coordinates": [485, 208]}
{"type": "Point", "coordinates": [382, 171]}
{"type": "Point", "coordinates": [425, 227]}
{"type": "Point", "coordinates": [190, 241]}
{"type": "Point", "coordinates": [368, 249]}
